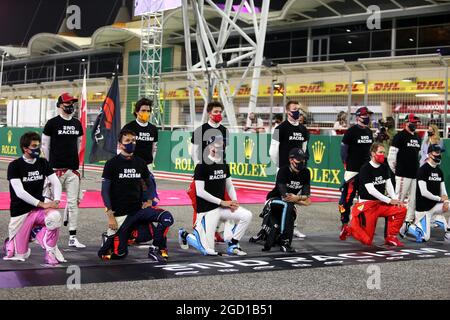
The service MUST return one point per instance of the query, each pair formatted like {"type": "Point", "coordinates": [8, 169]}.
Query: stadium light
{"type": "Point", "coordinates": [412, 79]}
{"type": "Point", "coordinates": [4, 55]}
{"type": "Point", "coordinates": [426, 95]}
{"type": "Point", "coordinates": [142, 7]}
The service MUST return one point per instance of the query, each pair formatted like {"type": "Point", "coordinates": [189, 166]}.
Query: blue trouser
{"type": "Point", "coordinates": [117, 245]}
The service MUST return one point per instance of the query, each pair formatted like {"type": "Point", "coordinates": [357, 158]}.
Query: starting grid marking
{"type": "Point", "coordinates": [299, 261]}
{"type": "Point", "coordinates": [213, 266]}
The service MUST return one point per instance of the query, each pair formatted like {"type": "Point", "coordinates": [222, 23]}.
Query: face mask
{"type": "Point", "coordinates": [379, 158]}
{"type": "Point", "coordinates": [217, 118]}
{"type": "Point", "coordinates": [365, 121]}
{"type": "Point", "coordinates": [295, 115]}
{"type": "Point", "coordinates": [143, 117]}
{"type": "Point", "coordinates": [437, 159]}
{"type": "Point", "coordinates": [35, 153]}
{"type": "Point", "coordinates": [69, 109]}
{"type": "Point", "coordinates": [412, 127]}
{"type": "Point", "coordinates": [129, 148]}
{"type": "Point", "coordinates": [430, 133]}
{"type": "Point", "coordinates": [299, 166]}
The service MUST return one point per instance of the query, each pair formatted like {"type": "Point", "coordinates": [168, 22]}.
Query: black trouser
{"type": "Point", "coordinates": [117, 244]}
{"type": "Point", "coordinates": [348, 193]}
{"type": "Point", "coordinates": [279, 222]}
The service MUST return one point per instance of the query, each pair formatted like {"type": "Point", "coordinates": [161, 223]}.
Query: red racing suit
{"type": "Point", "coordinates": [365, 215]}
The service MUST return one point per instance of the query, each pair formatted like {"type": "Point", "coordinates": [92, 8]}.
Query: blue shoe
{"type": "Point", "coordinates": [235, 249]}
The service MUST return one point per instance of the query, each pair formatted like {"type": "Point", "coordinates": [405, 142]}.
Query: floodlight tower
{"type": "Point", "coordinates": [152, 21]}
{"type": "Point", "coordinates": [150, 61]}
{"type": "Point", "coordinates": [212, 47]}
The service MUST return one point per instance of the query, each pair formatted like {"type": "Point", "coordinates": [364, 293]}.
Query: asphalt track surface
{"type": "Point", "coordinates": [409, 279]}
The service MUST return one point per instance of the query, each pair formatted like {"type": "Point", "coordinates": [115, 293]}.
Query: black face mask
{"type": "Point", "coordinates": [130, 147]}
{"type": "Point", "coordinates": [69, 109]}
{"type": "Point", "coordinates": [430, 133]}
{"type": "Point", "coordinates": [412, 127]}
{"type": "Point", "coordinates": [295, 114]}
{"type": "Point", "coordinates": [299, 166]}
{"type": "Point", "coordinates": [437, 159]}
{"type": "Point", "coordinates": [365, 121]}
{"type": "Point", "coordinates": [35, 153]}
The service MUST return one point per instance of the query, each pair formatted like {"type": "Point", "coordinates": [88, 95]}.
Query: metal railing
{"type": "Point", "coordinates": [389, 86]}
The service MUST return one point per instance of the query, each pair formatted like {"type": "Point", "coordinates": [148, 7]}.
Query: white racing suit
{"type": "Point", "coordinates": [421, 229]}
{"type": "Point", "coordinates": [70, 181]}
{"type": "Point", "coordinates": [202, 237]}
{"type": "Point", "coordinates": [406, 188]}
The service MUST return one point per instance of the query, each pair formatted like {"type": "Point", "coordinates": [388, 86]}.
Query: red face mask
{"type": "Point", "coordinates": [379, 158]}
{"type": "Point", "coordinates": [217, 118]}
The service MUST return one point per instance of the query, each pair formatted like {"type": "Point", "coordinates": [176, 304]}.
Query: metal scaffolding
{"type": "Point", "coordinates": [151, 62]}
{"type": "Point", "coordinates": [212, 47]}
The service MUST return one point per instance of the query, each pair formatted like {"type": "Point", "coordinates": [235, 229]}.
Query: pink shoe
{"type": "Point", "coordinates": [50, 258]}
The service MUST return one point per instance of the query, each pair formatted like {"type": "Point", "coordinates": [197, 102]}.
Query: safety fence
{"type": "Point", "coordinates": [328, 93]}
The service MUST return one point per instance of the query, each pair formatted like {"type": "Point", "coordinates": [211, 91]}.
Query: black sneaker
{"type": "Point", "coordinates": [256, 238]}
{"type": "Point", "coordinates": [404, 229]}
{"type": "Point", "coordinates": [182, 239]}
{"type": "Point", "coordinates": [153, 253]}
{"type": "Point", "coordinates": [104, 238]}
{"type": "Point", "coordinates": [286, 247]}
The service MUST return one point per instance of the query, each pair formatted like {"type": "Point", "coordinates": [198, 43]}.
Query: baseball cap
{"type": "Point", "coordinates": [363, 111]}
{"type": "Point", "coordinates": [297, 154]}
{"type": "Point", "coordinates": [65, 97]}
{"type": "Point", "coordinates": [412, 118]}
{"type": "Point", "coordinates": [435, 148]}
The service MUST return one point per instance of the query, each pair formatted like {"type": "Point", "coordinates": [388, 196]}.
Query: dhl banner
{"type": "Point", "coordinates": [329, 88]}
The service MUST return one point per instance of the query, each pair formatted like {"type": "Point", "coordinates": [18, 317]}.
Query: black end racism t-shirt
{"type": "Point", "coordinates": [433, 177]}
{"type": "Point", "coordinates": [32, 177]}
{"type": "Point", "coordinates": [127, 178]}
{"type": "Point", "coordinates": [203, 133]}
{"type": "Point", "coordinates": [408, 154]}
{"type": "Point", "coordinates": [63, 142]}
{"type": "Point", "coordinates": [377, 176]}
{"type": "Point", "coordinates": [145, 137]}
{"type": "Point", "coordinates": [214, 176]}
{"type": "Point", "coordinates": [295, 183]}
{"type": "Point", "coordinates": [359, 141]}
{"type": "Point", "coordinates": [289, 137]}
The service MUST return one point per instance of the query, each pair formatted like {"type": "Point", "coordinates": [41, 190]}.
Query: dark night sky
{"type": "Point", "coordinates": [17, 25]}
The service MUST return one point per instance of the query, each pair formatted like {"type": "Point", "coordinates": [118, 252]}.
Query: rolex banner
{"type": "Point", "coordinates": [248, 157]}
